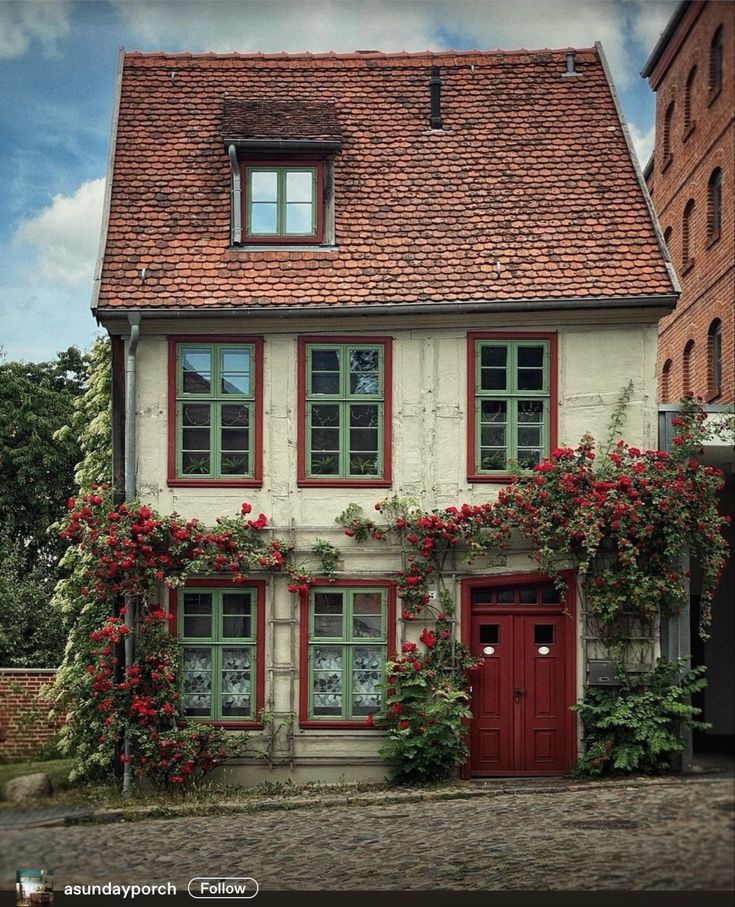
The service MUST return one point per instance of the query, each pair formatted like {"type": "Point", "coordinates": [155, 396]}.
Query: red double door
{"type": "Point", "coordinates": [521, 694]}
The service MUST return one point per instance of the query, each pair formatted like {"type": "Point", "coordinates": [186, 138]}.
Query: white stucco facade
{"type": "Point", "coordinates": [599, 353]}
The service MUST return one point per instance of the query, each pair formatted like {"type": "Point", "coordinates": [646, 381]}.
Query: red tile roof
{"type": "Point", "coordinates": [528, 191]}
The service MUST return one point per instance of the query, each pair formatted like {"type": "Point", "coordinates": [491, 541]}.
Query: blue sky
{"type": "Point", "coordinates": [57, 72]}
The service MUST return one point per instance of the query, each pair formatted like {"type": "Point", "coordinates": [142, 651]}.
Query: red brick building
{"type": "Point", "coordinates": [690, 178]}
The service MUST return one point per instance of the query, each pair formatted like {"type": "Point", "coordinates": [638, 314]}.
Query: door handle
{"type": "Point", "coordinates": [517, 693]}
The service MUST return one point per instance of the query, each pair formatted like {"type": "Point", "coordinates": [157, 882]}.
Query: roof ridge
{"type": "Point", "coordinates": [351, 55]}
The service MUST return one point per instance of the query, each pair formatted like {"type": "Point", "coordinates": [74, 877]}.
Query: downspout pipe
{"type": "Point", "coordinates": [236, 195]}
{"type": "Point", "coordinates": [130, 493]}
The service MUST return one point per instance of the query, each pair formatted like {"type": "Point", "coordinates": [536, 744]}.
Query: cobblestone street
{"type": "Point", "coordinates": [672, 834]}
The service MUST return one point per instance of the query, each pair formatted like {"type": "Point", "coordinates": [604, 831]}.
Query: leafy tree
{"type": "Point", "coordinates": [36, 467]}
{"type": "Point", "coordinates": [41, 407]}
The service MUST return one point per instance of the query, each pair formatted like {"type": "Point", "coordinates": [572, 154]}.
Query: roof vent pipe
{"type": "Point", "coordinates": [571, 68]}
{"type": "Point", "coordinates": [436, 98]}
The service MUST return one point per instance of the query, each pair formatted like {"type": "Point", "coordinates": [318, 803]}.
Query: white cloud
{"type": "Point", "coordinates": [643, 142]}
{"type": "Point", "coordinates": [65, 235]}
{"type": "Point", "coordinates": [320, 25]}
{"type": "Point", "coordinates": [648, 18]}
{"type": "Point", "coordinates": [22, 22]}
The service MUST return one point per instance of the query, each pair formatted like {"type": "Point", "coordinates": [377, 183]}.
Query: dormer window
{"type": "Point", "coordinates": [282, 157]}
{"type": "Point", "coordinates": [282, 202]}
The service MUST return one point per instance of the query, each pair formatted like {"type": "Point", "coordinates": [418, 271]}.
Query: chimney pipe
{"type": "Point", "coordinates": [436, 104]}
{"type": "Point", "coordinates": [571, 68]}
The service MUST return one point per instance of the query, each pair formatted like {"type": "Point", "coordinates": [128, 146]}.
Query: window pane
{"type": "Point", "coordinates": [235, 439]}
{"type": "Point", "coordinates": [530, 379]}
{"type": "Point", "coordinates": [195, 438]}
{"type": "Point", "coordinates": [299, 218]}
{"type": "Point", "coordinates": [327, 680]}
{"type": "Point", "coordinates": [367, 675]}
{"type": "Point", "coordinates": [527, 595]}
{"type": "Point", "coordinates": [235, 384]}
{"type": "Point", "coordinates": [363, 416]}
{"type": "Point", "coordinates": [236, 680]}
{"type": "Point", "coordinates": [329, 614]}
{"type": "Point", "coordinates": [197, 681]}
{"type": "Point", "coordinates": [530, 357]}
{"type": "Point", "coordinates": [528, 458]}
{"type": "Point", "coordinates": [361, 465]}
{"type": "Point", "coordinates": [325, 383]}
{"type": "Point", "coordinates": [529, 437]}
{"type": "Point", "coordinates": [531, 411]}
{"type": "Point", "coordinates": [543, 633]}
{"type": "Point", "coordinates": [197, 614]}
{"type": "Point", "coordinates": [235, 464]}
{"type": "Point", "coordinates": [263, 218]}
{"type": "Point", "coordinates": [549, 594]}
{"type": "Point", "coordinates": [492, 459]}
{"type": "Point", "coordinates": [197, 369]}
{"type": "Point", "coordinates": [364, 371]}
{"type": "Point", "coordinates": [367, 603]}
{"type": "Point", "coordinates": [195, 464]}
{"type": "Point", "coordinates": [493, 436]}
{"type": "Point", "coordinates": [299, 184]}
{"type": "Point", "coordinates": [234, 415]}
{"type": "Point", "coordinates": [505, 596]}
{"type": "Point", "coordinates": [493, 379]}
{"type": "Point", "coordinates": [363, 360]}
{"type": "Point", "coordinates": [263, 185]}
{"type": "Point", "coordinates": [324, 416]}
{"type": "Point", "coordinates": [364, 626]}
{"type": "Point", "coordinates": [364, 439]}
{"type": "Point", "coordinates": [494, 411]}
{"type": "Point", "coordinates": [325, 439]}
{"type": "Point", "coordinates": [195, 414]}
{"type": "Point", "coordinates": [325, 360]}
{"type": "Point", "coordinates": [489, 633]}
{"type": "Point", "coordinates": [493, 356]}
{"type": "Point", "coordinates": [236, 615]}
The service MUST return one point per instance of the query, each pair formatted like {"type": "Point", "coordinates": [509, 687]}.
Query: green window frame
{"type": "Point", "coordinates": [347, 651]}
{"type": "Point", "coordinates": [215, 410]}
{"type": "Point", "coordinates": [512, 404]}
{"type": "Point", "coordinates": [217, 639]}
{"type": "Point", "coordinates": [281, 202]}
{"type": "Point", "coordinates": [345, 408]}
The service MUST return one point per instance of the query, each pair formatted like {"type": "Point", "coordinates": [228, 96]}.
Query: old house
{"type": "Point", "coordinates": [333, 278]}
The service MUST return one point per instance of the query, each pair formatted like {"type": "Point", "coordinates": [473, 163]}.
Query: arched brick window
{"type": "Point", "coordinates": [714, 205]}
{"type": "Point", "coordinates": [686, 367]}
{"type": "Point", "coordinates": [688, 123]}
{"type": "Point", "coordinates": [714, 357]}
{"type": "Point", "coordinates": [715, 62]}
{"type": "Point", "coordinates": [667, 133]}
{"type": "Point", "coordinates": [686, 229]}
{"type": "Point", "coordinates": [666, 381]}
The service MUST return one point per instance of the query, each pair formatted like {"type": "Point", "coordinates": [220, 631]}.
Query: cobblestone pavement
{"type": "Point", "coordinates": [676, 835]}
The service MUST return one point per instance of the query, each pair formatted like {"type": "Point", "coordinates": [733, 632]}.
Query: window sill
{"type": "Point", "coordinates": [712, 241]}
{"type": "Point", "coordinates": [687, 266]}
{"type": "Point", "coordinates": [687, 132]}
{"type": "Point", "coordinates": [715, 396]}
{"type": "Point", "coordinates": [344, 483]}
{"type": "Point", "coordinates": [248, 725]}
{"type": "Point", "coordinates": [666, 163]}
{"type": "Point", "coordinates": [282, 247]}
{"type": "Point", "coordinates": [317, 724]}
{"type": "Point", "coordinates": [215, 483]}
{"type": "Point", "coordinates": [714, 95]}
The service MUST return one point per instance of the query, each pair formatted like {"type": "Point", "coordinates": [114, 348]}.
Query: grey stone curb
{"type": "Point", "coordinates": [285, 804]}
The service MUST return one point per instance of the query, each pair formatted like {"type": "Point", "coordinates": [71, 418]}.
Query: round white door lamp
{"type": "Point", "coordinates": [544, 650]}
{"type": "Point", "coordinates": [488, 650]}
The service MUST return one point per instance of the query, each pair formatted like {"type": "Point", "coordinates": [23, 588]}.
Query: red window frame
{"type": "Point", "coordinates": [386, 480]}
{"type": "Point", "coordinates": [472, 337]}
{"type": "Point", "coordinates": [318, 165]}
{"type": "Point", "coordinates": [390, 622]}
{"type": "Point", "coordinates": [259, 586]}
{"type": "Point", "coordinates": [254, 481]}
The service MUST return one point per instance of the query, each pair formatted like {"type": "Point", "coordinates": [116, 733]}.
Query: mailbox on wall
{"type": "Point", "coordinates": [601, 673]}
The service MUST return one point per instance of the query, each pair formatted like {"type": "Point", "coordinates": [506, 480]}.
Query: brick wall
{"type": "Point", "coordinates": [708, 281]}
{"type": "Point", "coordinates": [24, 723]}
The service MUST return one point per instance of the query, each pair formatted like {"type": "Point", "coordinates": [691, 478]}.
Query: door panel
{"type": "Point", "coordinates": [491, 733]}
{"type": "Point", "coordinates": [519, 707]}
